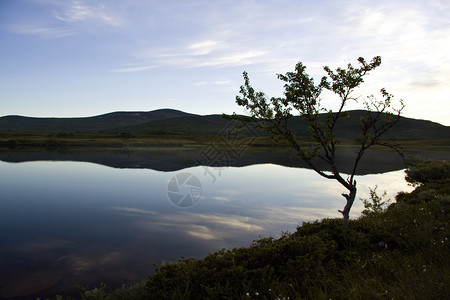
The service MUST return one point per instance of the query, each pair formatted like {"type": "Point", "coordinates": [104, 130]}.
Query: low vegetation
{"type": "Point", "coordinates": [100, 140]}
{"type": "Point", "coordinates": [397, 252]}
{"type": "Point", "coordinates": [118, 140]}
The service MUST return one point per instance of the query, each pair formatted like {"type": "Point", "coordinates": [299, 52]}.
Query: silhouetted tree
{"type": "Point", "coordinates": [302, 97]}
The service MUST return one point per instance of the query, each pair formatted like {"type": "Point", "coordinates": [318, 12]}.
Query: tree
{"type": "Point", "coordinates": [302, 97]}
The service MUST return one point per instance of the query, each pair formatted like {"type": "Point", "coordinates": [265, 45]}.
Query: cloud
{"type": "Point", "coordinates": [60, 19]}
{"type": "Point", "coordinates": [78, 11]}
{"type": "Point", "coordinates": [203, 48]}
{"type": "Point", "coordinates": [42, 31]}
{"type": "Point", "coordinates": [75, 12]}
{"type": "Point", "coordinates": [218, 82]}
{"type": "Point", "coordinates": [133, 69]}
{"type": "Point", "coordinates": [212, 55]}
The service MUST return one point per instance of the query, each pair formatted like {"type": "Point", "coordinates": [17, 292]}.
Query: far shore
{"type": "Point", "coordinates": [120, 140]}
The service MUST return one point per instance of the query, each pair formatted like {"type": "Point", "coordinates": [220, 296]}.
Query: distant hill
{"type": "Point", "coordinates": [406, 128]}
{"type": "Point", "coordinates": [105, 122]}
{"type": "Point", "coordinates": [193, 124]}
{"type": "Point", "coordinates": [175, 121]}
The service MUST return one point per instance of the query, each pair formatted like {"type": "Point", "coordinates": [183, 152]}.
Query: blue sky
{"type": "Point", "coordinates": [82, 58]}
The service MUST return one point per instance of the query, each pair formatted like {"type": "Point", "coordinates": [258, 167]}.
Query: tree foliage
{"type": "Point", "coordinates": [302, 96]}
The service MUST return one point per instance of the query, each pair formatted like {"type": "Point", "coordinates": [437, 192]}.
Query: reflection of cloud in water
{"type": "Point", "coordinates": [393, 182]}
{"type": "Point", "coordinates": [220, 198]}
{"type": "Point", "coordinates": [132, 211]}
{"type": "Point", "coordinates": [44, 245]}
{"type": "Point", "coordinates": [86, 261]}
{"type": "Point", "coordinates": [277, 216]}
{"type": "Point", "coordinates": [76, 258]}
{"type": "Point", "coordinates": [29, 283]}
{"type": "Point", "coordinates": [216, 220]}
{"type": "Point", "coordinates": [203, 226]}
{"type": "Point", "coordinates": [50, 263]}
{"type": "Point", "coordinates": [77, 264]}
{"type": "Point", "coordinates": [67, 264]}
{"type": "Point", "coordinates": [202, 232]}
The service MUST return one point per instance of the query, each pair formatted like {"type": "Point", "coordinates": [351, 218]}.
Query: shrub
{"type": "Point", "coordinates": [375, 205]}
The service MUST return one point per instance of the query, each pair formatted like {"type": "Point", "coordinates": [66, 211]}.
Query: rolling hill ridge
{"type": "Point", "coordinates": [174, 121]}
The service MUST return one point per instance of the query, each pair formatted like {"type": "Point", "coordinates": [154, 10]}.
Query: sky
{"type": "Point", "coordinates": [67, 58]}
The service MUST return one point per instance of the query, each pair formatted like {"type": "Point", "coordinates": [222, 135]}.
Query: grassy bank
{"type": "Point", "coordinates": [78, 140]}
{"type": "Point", "coordinates": [402, 252]}
{"type": "Point", "coordinates": [118, 140]}
{"type": "Point", "coordinates": [73, 140]}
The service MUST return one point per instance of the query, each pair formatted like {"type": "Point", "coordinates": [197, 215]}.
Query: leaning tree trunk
{"type": "Point", "coordinates": [350, 197]}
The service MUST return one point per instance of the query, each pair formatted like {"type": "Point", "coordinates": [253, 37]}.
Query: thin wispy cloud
{"type": "Point", "coordinates": [133, 69]}
{"type": "Point", "coordinates": [204, 54]}
{"type": "Point", "coordinates": [42, 31]}
{"type": "Point", "coordinates": [217, 82]}
{"type": "Point", "coordinates": [204, 48]}
{"type": "Point", "coordinates": [65, 18]}
{"type": "Point", "coordinates": [75, 12]}
{"type": "Point", "coordinates": [79, 11]}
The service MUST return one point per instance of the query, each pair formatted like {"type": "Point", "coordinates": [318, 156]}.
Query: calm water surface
{"type": "Point", "coordinates": [75, 223]}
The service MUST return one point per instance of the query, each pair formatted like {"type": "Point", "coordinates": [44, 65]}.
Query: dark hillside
{"type": "Point", "coordinates": [104, 122]}
{"type": "Point", "coordinates": [173, 121]}
{"type": "Point", "coordinates": [406, 128]}
{"type": "Point", "coordinates": [348, 127]}
{"type": "Point", "coordinates": [192, 124]}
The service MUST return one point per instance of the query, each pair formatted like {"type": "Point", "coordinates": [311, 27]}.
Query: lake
{"type": "Point", "coordinates": [67, 222]}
